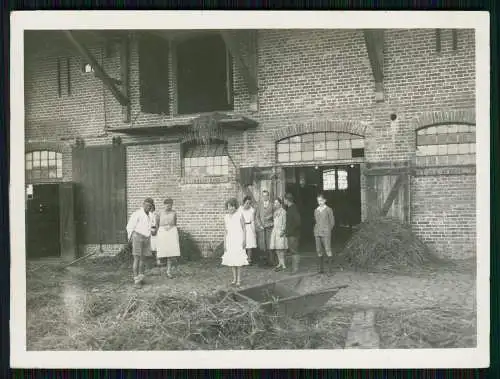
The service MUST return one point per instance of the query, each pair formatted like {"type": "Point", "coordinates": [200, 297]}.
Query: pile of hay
{"type": "Point", "coordinates": [386, 245]}
{"type": "Point", "coordinates": [427, 328]}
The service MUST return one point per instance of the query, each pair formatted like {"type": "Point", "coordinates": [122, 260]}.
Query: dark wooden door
{"type": "Point", "coordinates": [42, 222]}
{"type": "Point", "coordinates": [67, 221]}
{"type": "Point", "coordinates": [100, 198]}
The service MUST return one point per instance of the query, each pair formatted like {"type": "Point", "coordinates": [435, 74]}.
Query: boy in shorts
{"type": "Point", "coordinates": [139, 234]}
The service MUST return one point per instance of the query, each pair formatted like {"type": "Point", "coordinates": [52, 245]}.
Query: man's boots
{"type": "Point", "coordinates": [295, 263]}
{"type": "Point", "coordinates": [328, 264]}
{"type": "Point", "coordinates": [320, 265]}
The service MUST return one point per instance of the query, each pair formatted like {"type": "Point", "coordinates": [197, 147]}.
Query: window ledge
{"type": "Point", "coordinates": [205, 180]}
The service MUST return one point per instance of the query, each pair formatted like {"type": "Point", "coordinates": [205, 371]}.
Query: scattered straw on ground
{"type": "Point", "coordinates": [427, 328]}
{"type": "Point", "coordinates": [386, 245]}
{"type": "Point", "coordinates": [160, 322]}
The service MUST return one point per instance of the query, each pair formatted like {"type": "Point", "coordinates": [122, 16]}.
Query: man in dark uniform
{"type": "Point", "coordinates": [292, 230]}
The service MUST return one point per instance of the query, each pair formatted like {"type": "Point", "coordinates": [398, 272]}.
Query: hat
{"type": "Point", "coordinates": [149, 201]}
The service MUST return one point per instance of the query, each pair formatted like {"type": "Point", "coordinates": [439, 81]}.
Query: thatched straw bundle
{"type": "Point", "coordinates": [388, 245]}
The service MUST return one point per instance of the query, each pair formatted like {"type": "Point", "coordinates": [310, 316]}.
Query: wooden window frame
{"type": "Point", "coordinates": [174, 81]}
{"type": "Point", "coordinates": [302, 144]}
{"type": "Point", "coordinates": [43, 168]}
{"type": "Point", "coordinates": [191, 148]}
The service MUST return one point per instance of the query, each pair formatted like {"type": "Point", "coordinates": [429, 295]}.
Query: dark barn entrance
{"type": "Point", "coordinates": [42, 222]}
{"type": "Point", "coordinates": [342, 188]}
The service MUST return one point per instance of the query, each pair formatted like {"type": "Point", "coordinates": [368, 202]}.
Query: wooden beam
{"type": "Point", "coordinates": [232, 41]}
{"type": "Point", "coordinates": [99, 71]}
{"type": "Point", "coordinates": [374, 39]}
{"type": "Point", "coordinates": [392, 195]}
{"type": "Point", "coordinates": [124, 75]}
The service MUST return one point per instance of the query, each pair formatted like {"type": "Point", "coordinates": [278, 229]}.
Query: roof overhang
{"type": "Point", "coordinates": [228, 123]}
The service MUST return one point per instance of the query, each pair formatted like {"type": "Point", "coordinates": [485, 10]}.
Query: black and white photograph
{"type": "Point", "coordinates": [216, 189]}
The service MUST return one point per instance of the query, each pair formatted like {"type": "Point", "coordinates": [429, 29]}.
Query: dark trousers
{"type": "Point", "coordinates": [293, 245]}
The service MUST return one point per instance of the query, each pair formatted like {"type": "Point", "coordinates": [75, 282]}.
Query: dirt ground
{"type": "Point", "coordinates": [409, 307]}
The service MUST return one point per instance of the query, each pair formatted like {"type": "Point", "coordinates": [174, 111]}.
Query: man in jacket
{"type": "Point", "coordinates": [264, 224]}
{"type": "Point", "coordinates": [292, 230]}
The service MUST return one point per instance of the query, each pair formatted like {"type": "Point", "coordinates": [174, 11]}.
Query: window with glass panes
{"type": "Point", "coordinates": [43, 164]}
{"type": "Point", "coordinates": [335, 179]}
{"type": "Point", "coordinates": [320, 146]}
{"type": "Point", "coordinates": [206, 160]}
{"type": "Point", "coordinates": [450, 140]}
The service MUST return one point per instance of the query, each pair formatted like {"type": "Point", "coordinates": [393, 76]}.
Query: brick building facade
{"type": "Point", "coordinates": [405, 99]}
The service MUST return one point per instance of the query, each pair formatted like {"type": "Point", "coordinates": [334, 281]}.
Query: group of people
{"type": "Point", "coordinates": [272, 227]}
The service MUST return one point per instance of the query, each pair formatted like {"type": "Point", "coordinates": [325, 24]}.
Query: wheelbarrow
{"type": "Point", "coordinates": [282, 296]}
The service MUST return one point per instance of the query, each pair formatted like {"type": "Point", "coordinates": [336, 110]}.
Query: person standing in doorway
{"type": "Point", "coordinates": [278, 241]}
{"type": "Point", "coordinates": [324, 223]}
{"type": "Point", "coordinates": [248, 213]}
{"type": "Point", "coordinates": [168, 236]}
{"type": "Point", "coordinates": [139, 233]}
{"type": "Point", "coordinates": [235, 241]}
{"type": "Point", "coordinates": [264, 226]}
{"type": "Point", "coordinates": [292, 230]}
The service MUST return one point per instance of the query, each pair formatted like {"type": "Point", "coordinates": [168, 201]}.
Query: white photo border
{"type": "Point", "coordinates": [382, 358]}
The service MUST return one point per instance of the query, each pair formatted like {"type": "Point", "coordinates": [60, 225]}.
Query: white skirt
{"type": "Point", "coordinates": [167, 243]}
{"type": "Point", "coordinates": [234, 255]}
{"type": "Point", "coordinates": [251, 237]}
{"type": "Point", "coordinates": [153, 243]}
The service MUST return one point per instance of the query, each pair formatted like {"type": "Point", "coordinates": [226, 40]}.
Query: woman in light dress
{"type": "Point", "coordinates": [278, 241]}
{"type": "Point", "coordinates": [234, 241]}
{"type": "Point", "coordinates": [248, 213]}
{"type": "Point", "coordinates": [167, 243]}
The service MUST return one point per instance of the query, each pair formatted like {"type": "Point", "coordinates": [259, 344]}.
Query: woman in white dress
{"type": "Point", "coordinates": [248, 213]}
{"type": "Point", "coordinates": [167, 243]}
{"type": "Point", "coordinates": [234, 241]}
{"type": "Point", "coordinates": [278, 241]}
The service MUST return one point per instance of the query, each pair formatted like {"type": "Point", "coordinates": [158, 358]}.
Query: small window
{"type": "Point", "coordinates": [87, 68]}
{"type": "Point", "coordinates": [206, 160]}
{"type": "Point", "coordinates": [335, 179]}
{"type": "Point", "coordinates": [43, 165]}
{"type": "Point", "coordinates": [329, 180]}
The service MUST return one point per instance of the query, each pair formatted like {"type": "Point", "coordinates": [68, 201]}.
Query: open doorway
{"type": "Point", "coordinates": [42, 222]}
{"type": "Point", "coordinates": [341, 186]}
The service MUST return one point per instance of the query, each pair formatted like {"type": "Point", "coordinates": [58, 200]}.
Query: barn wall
{"type": "Point", "coordinates": [303, 75]}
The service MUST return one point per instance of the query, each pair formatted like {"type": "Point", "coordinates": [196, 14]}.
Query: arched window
{"type": "Point", "coordinates": [320, 146]}
{"type": "Point", "coordinates": [448, 144]}
{"type": "Point", "coordinates": [206, 160]}
{"type": "Point", "coordinates": [43, 165]}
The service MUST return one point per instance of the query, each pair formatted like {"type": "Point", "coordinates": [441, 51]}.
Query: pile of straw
{"type": "Point", "coordinates": [386, 245]}
{"type": "Point", "coordinates": [427, 328]}
{"type": "Point", "coordinates": [159, 322]}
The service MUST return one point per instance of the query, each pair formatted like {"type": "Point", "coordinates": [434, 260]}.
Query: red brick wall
{"type": "Point", "coordinates": [443, 212]}
{"type": "Point", "coordinates": [302, 75]}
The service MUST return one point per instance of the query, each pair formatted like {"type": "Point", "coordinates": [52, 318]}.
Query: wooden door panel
{"type": "Point", "coordinates": [388, 193]}
{"type": "Point", "coordinates": [101, 194]}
